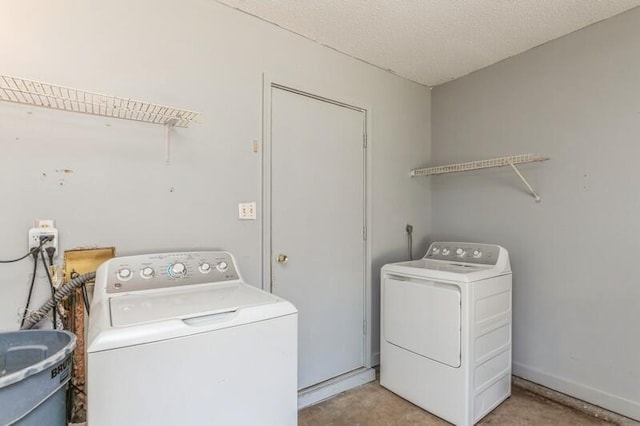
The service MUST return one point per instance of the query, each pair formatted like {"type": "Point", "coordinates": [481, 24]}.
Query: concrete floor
{"type": "Point", "coordinates": [373, 405]}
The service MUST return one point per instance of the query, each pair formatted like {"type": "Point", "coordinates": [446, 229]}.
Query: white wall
{"type": "Point", "coordinates": [574, 255]}
{"type": "Point", "coordinates": [194, 54]}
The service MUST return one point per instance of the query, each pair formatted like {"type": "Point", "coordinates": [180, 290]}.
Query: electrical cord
{"type": "Point", "coordinates": [77, 389]}
{"type": "Point", "coordinates": [51, 251]}
{"type": "Point", "coordinates": [33, 252]}
{"type": "Point", "coordinates": [33, 281]}
{"type": "Point", "coordinates": [85, 294]}
{"type": "Point", "coordinates": [53, 290]}
{"type": "Point", "coordinates": [85, 297]}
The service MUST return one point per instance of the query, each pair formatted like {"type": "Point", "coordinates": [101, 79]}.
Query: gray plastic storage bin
{"type": "Point", "coordinates": [35, 367]}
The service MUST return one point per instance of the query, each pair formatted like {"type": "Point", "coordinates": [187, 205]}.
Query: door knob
{"type": "Point", "coordinates": [282, 258]}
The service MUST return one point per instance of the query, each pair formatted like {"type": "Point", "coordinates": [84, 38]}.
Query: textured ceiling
{"type": "Point", "coordinates": [432, 41]}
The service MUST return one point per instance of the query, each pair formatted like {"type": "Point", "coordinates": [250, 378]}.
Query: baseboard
{"type": "Point", "coordinates": [603, 399]}
{"type": "Point", "coordinates": [325, 390]}
{"type": "Point", "coordinates": [375, 359]}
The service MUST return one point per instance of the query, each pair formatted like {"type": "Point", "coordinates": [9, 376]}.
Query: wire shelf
{"type": "Point", "coordinates": [511, 161]}
{"type": "Point", "coordinates": [36, 93]}
{"type": "Point", "coordinates": [475, 165]}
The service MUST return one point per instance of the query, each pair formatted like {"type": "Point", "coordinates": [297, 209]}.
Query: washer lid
{"type": "Point", "coordinates": [133, 309]}
{"type": "Point", "coordinates": [444, 270]}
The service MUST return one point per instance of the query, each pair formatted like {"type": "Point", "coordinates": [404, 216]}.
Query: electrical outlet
{"type": "Point", "coordinates": [247, 211]}
{"type": "Point", "coordinates": [45, 223]}
{"type": "Point", "coordinates": [44, 228]}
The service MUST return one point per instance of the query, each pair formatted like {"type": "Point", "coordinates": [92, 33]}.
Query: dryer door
{"type": "Point", "coordinates": [423, 317]}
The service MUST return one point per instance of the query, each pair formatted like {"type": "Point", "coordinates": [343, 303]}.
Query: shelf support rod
{"type": "Point", "coordinates": [531, 190]}
{"type": "Point", "coordinates": [167, 143]}
{"type": "Point", "coordinates": [170, 124]}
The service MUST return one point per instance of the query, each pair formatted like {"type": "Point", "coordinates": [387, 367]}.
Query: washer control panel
{"type": "Point", "coordinates": [484, 254]}
{"type": "Point", "coordinates": [154, 271]}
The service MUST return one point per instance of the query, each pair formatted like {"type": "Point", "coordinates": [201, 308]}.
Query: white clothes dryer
{"type": "Point", "coordinates": [180, 339]}
{"type": "Point", "coordinates": [446, 330]}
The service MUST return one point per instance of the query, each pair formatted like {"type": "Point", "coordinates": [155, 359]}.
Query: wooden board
{"type": "Point", "coordinates": [77, 262]}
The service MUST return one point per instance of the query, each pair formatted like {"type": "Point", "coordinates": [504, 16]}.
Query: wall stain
{"type": "Point", "coordinates": [61, 175]}
{"type": "Point", "coordinates": [586, 184]}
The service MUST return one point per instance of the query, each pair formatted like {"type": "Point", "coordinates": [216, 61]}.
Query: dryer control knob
{"type": "Point", "coordinates": [435, 250]}
{"type": "Point", "coordinates": [477, 253]}
{"type": "Point", "coordinates": [147, 273]}
{"type": "Point", "coordinates": [124, 274]}
{"type": "Point", "coordinates": [177, 270]}
{"type": "Point", "coordinates": [446, 251]}
{"type": "Point", "coordinates": [205, 267]}
{"type": "Point", "coordinates": [222, 266]}
{"type": "Point", "coordinates": [460, 252]}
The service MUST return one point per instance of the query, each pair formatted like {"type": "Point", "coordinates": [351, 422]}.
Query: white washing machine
{"type": "Point", "coordinates": [180, 339]}
{"type": "Point", "coordinates": [446, 330]}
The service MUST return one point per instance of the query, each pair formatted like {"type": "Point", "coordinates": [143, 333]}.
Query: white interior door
{"type": "Point", "coordinates": [317, 222]}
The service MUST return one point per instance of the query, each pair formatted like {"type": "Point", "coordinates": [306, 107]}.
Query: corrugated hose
{"type": "Point", "coordinates": [64, 291]}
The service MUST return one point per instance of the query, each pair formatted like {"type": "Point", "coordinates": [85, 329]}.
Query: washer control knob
{"type": "Point", "coordinates": [147, 272]}
{"type": "Point", "coordinates": [461, 252]}
{"type": "Point", "coordinates": [205, 267]}
{"type": "Point", "coordinates": [446, 251]}
{"type": "Point", "coordinates": [435, 250]}
{"type": "Point", "coordinates": [222, 266]}
{"type": "Point", "coordinates": [177, 270]}
{"type": "Point", "coordinates": [124, 274]}
{"type": "Point", "coordinates": [477, 253]}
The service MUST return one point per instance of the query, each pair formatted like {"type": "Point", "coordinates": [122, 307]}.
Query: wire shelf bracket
{"type": "Point", "coordinates": [485, 164]}
{"type": "Point", "coordinates": [52, 96]}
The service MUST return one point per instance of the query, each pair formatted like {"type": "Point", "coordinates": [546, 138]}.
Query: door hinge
{"type": "Point", "coordinates": [364, 327]}
{"type": "Point", "coordinates": [364, 233]}
{"type": "Point", "coordinates": [364, 140]}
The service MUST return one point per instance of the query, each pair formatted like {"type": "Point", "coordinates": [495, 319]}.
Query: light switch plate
{"type": "Point", "coordinates": [247, 211]}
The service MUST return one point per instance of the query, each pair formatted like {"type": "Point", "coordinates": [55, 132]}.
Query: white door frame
{"type": "Point", "coordinates": [267, 84]}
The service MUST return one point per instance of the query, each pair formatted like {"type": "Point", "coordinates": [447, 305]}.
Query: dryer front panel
{"type": "Point", "coordinates": [423, 317]}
